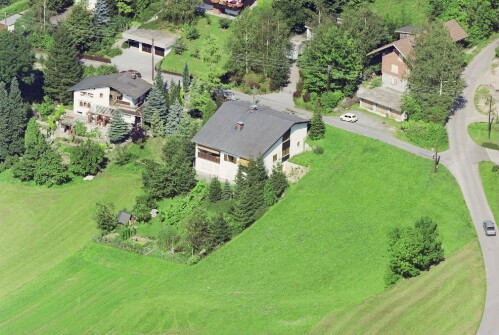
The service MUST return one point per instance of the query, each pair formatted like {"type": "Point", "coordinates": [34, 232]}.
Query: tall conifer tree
{"type": "Point", "coordinates": [62, 69]}
{"type": "Point", "coordinates": [156, 101]}
{"type": "Point", "coordinates": [18, 119]}
{"type": "Point", "coordinates": [118, 128]}
{"type": "Point", "coordinates": [174, 118]}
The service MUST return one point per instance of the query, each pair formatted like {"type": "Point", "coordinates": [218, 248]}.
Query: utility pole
{"type": "Point", "coordinates": [435, 160]}
{"type": "Point", "coordinates": [489, 125]}
{"type": "Point", "coordinates": [152, 55]}
{"type": "Point", "coordinates": [328, 77]}
{"type": "Point", "coordinates": [44, 13]}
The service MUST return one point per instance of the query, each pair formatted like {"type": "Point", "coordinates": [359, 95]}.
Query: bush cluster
{"type": "Point", "coordinates": [425, 134]}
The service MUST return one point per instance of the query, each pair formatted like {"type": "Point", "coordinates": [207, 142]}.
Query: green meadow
{"type": "Point", "coordinates": [319, 254]}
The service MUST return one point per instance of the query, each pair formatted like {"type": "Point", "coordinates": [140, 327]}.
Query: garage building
{"type": "Point", "coordinates": [143, 40]}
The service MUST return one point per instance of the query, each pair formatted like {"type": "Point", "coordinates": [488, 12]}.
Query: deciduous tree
{"type": "Point", "coordinates": [87, 159]}
{"type": "Point", "coordinates": [435, 79]}
{"type": "Point", "coordinates": [331, 62]}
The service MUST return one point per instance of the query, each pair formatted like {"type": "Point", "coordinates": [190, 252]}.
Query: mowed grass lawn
{"type": "Point", "coordinates": [42, 226]}
{"type": "Point", "coordinates": [320, 250]}
{"type": "Point", "coordinates": [479, 132]}
{"type": "Point", "coordinates": [197, 67]}
{"type": "Point", "coordinates": [413, 12]}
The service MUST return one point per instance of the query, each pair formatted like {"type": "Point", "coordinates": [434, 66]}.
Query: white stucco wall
{"type": "Point", "coordinates": [393, 82]}
{"type": "Point", "coordinates": [298, 135]}
{"type": "Point", "coordinates": [95, 100]}
{"type": "Point", "coordinates": [227, 170]}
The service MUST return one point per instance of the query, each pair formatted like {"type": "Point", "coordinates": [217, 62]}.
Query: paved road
{"type": "Point", "coordinates": [461, 159]}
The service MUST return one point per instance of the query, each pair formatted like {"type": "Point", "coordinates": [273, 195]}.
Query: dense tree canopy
{"type": "Point", "coordinates": [62, 68]}
{"type": "Point", "coordinates": [87, 158]}
{"type": "Point", "coordinates": [80, 27]}
{"type": "Point", "coordinates": [331, 61]}
{"type": "Point", "coordinates": [259, 43]}
{"type": "Point", "coordinates": [16, 57]}
{"type": "Point", "coordinates": [435, 78]}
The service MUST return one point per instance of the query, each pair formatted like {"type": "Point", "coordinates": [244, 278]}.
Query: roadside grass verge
{"type": "Point", "coordinates": [481, 99]}
{"type": "Point", "coordinates": [421, 305]}
{"type": "Point", "coordinates": [479, 132]}
{"type": "Point", "coordinates": [321, 249]}
{"type": "Point", "coordinates": [490, 180]}
{"type": "Point", "coordinates": [197, 67]}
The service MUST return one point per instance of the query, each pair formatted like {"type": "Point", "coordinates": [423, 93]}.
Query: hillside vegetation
{"type": "Point", "coordinates": [321, 249]}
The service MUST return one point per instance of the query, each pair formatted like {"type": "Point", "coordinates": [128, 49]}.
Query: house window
{"type": "Point", "coordinates": [82, 94]}
{"type": "Point", "coordinates": [81, 103]}
{"type": "Point", "coordinates": [395, 69]}
{"type": "Point", "coordinates": [285, 145]}
{"type": "Point", "coordinates": [298, 144]}
{"type": "Point", "coordinates": [209, 156]}
{"type": "Point", "coordinates": [274, 158]}
{"type": "Point", "coordinates": [230, 159]}
{"type": "Point", "coordinates": [102, 95]}
{"type": "Point", "coordinates": [90, 95]}
{"type": "Point", "coordinates": [394, 81]}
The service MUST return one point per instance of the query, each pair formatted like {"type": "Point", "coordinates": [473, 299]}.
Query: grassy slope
{"type": "Point", "coordinates": [421, 305]}
{"type": "Point", "coordinates": [175, 63]}
{"type": "Point", "coordinates": [479, 133]}
{"type": "Point", "coordinates": [14, 8]}
{"type": "Point", "coordinates": [414, 11]}
{"type": "Point", "coordinates": [42, 226]}
{"type": "Point", "coordinates": [490, 181]}
{"type": "Point", "coordinates": [319, 250]}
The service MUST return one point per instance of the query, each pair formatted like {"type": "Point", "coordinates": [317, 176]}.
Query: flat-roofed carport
{"type": "Point", "coordinates": [143, 40]}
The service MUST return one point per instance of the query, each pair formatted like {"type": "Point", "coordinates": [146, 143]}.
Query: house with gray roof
{"type": "Point", "coordinates": [97, 97]}
{"type": "Point", "coordinates": [9, 22]}
{"type": "Point", "coordinates": [239, 132]}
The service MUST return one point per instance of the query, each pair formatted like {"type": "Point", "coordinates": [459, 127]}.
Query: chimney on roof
{"type": "Point", "coordinates": [239, 125]}
{"type": "Point", "coordinates": [254, 107]}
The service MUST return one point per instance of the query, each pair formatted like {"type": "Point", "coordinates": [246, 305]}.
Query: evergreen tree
{"type": "Point", "coordinates": [80, 28]}
{"type": "Point", "coordinates": [250, 201]}
{"type": "Point", "coordinates": [218, 230]}
{"type": "Point", "coordinates": [174, 92]}
{"type": "Point", "coordinates": [226, 191]}
{"type": "Point", "coordinates": [269, 194]}
{"type": "Point", "coordinates": [278, 180]}
{"type": "Point", "coordinates": [187, 128]}
{"type": "Point", "coordinates": [102, 15]}
{"type": "Point", "coordinates": [35, 147]}
{"type": "Point", "coordinates": [118, 128]}
{"type": "Point", "coordinates": [62, 68]}
{"type": "Point", "coordinates": [16, 57]}
{"type": "Point", "coordinates": [4, 122]}
{"type": "Point", "coordinates": [105, 217]}
{"type": "Point", "coordinates": [186, 78]}
{"type": "Point", "coordinates": [435, 79]}
{"type": "Point", "coordinates": [174, 118]}
{"type": "Point", "coordinates": [18, 119]}
{"type": "Point", "coordinates": [87, 158]}
{"type": "Point", "coordinates": [157, 125]}
{"type": "Point", "coordinates": [215, 190]}
{"type": "Point", "coordinates": [240, 181]}
{"type": "Point", "coordinates": [317, 127]}
{"type": "Point", "coordinates": [198, 236]}
{"type": "Point", "coordinates": [156, 182]}
{"type": "Point", "coordinates": [156, 101]}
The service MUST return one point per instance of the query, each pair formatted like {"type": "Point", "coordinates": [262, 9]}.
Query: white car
{"type": "Point", "coordinates": [350, 117]}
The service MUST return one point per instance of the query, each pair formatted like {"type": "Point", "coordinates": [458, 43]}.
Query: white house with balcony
{"type": "Point", "coordinates": [97, 97]}
{"type": "Point", "coordinates": [239, 131]}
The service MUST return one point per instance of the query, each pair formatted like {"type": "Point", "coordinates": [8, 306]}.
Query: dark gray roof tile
{"type": "Point", "coordinates": [262, 128]}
